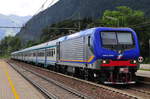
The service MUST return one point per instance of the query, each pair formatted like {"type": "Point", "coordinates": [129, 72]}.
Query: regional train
{"type": "Point", "coordinates": [104, 54]}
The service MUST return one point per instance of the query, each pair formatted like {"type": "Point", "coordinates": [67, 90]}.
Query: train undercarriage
{"type": "Point", "coordinates": [105, 75]}
{"type": "Point", "coordinates": [116, 75]}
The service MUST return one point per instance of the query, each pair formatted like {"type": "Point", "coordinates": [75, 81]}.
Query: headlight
{"type": "Point", "coordinates": [104, 61]}
{"type": "Point", "coordinates": [133, 61]}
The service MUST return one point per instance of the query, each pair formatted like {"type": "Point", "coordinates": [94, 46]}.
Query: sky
{"type": "Point", "coordinates": [22, 7]}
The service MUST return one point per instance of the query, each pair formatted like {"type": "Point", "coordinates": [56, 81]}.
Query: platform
{"type": "Point", "coordinates": [14, 86]}
{"type": "Point", "coordinates": [145, 66]}
{"type": "Point", "coordinates": [143, 73]}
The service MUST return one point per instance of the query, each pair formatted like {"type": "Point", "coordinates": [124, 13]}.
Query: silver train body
{"type": "Point", "coordinates": [59, 52]}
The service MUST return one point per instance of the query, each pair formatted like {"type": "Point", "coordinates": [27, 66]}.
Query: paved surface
{"type": "Point", "coordinates": [143, 73]}
{"type": "Point", "coordinates": [14, 86]}
{"type": "Point", "coordinates": [145, 66]}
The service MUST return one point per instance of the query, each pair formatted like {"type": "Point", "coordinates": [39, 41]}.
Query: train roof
{"type": "Point", "coordinates": [90, 31]}
{"type": "Point", "coordinates": [43, 45]}
{"type": "Point", "coordinates": [68, 37]}
{"type": "Point", "coordinates": [77, 34]}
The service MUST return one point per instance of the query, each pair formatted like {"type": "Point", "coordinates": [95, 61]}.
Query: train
{"type": "Point", "coordinates": [104, 54]}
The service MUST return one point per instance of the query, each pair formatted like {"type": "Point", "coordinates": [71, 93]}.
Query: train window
{"type": "Point", "coordinates": [47, 53]}
{"type": "Point", "coordinates": [29, 54]}
{"type": "Point", "coordinates": [50, 52]}
{"type": "Point", "coordinates": [54, 52]}
{"type": "Point", "coordinates": [40, 54]}
{"type": "Point", "coordinates": [115, 38]}
{"type": "Point", "coordinates": [125, 38]}
{"type": "Point", "coordinates": [34, 54]}
{"type": "Point", "coordinates": [43, 53]}
{"type": "Point", "coordinates": [109, 38]}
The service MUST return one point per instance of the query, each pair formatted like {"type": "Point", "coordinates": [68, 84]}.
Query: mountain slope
{"type": "Point", "coordinates": [11, 20]}
{"type": "Point", "coordinates": [70, 9]}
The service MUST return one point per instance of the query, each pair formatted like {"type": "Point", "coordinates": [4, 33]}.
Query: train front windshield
{"type": "Point", "coordinates": [117, 38]}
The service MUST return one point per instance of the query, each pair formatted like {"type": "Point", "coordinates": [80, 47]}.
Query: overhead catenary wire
{"type": "Point", "coordinates": [61, 28]}
{"type": "Point", "coordinates": [9, 27]}
{"type": "Point", "coordinates": [39, 10]}
{"type": "Point", "coordinates": [43, 5]}
{"type": "Point", "coordinates": [140, 24]}
{"type": "Point", "coordinates": [51, 3]}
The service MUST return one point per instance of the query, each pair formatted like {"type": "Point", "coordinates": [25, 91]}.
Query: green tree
{"type": "Point", "coordinates": [126, 17]}
{"type": "Point", "coordinates": [57, 30]}
{"type": "Point", "coordinates": [9, 44]}
{"type": "Point", "coordinates": [123, 16]}
{"type": "Point", "coordinates": [31, 43]}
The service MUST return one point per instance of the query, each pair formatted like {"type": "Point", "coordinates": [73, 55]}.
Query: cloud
{"type": "Point", "coordinates": [21, 7]}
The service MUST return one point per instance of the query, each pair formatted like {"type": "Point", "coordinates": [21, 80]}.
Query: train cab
{"type": "Point", "coordinates": [117, 52]}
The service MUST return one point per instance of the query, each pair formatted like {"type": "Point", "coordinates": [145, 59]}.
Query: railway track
{"type": "Point", "coordinates": [90, 87]}
{"type": "Point", "coordinates": [141, 90]}
{"type": "Point", "coordinates": [142, 94]}
{"type": "Point", "coordinates": [40, 81]}
{"type": "Point", "coordinates": [47, 94]}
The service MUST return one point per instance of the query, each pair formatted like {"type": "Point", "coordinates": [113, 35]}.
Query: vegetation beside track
{"type": "Point", "coordinates": [146, 60]}
{"type": "Point", "coordinates": [145, 69]}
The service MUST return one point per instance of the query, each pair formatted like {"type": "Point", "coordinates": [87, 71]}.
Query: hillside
{"type": "Point", "coordinates": [70, 9]}
{"type": "Point", "coordinates": [11, 20]}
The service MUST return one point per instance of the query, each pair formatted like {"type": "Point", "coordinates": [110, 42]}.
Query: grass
{"type": "Point", "coordinates": [145, 69]}
{"type": "Point", "coordinates": [146, 60]}
{"type": "Point", "coordinates": [4, 56]}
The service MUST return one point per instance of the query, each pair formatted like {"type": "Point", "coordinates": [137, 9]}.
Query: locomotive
{"type": "Point", "coordinates": [104, 54]}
